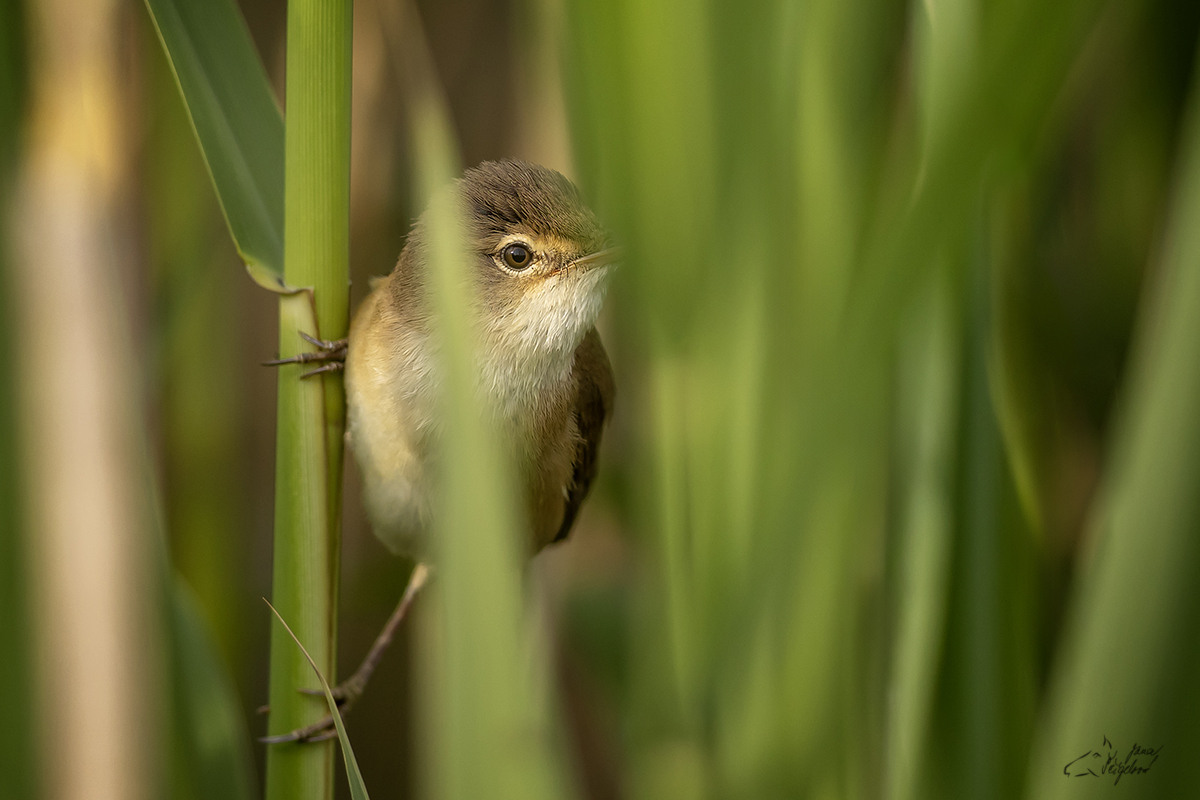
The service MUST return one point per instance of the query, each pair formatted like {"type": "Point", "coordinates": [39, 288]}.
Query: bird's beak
{"type": "Point", "coordinates": [605, 257]}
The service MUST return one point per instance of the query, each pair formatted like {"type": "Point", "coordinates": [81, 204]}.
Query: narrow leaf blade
{"type": "Point", "coordinates": [358, 789]}
{"type": "Point", "coordinates": [236, 119]}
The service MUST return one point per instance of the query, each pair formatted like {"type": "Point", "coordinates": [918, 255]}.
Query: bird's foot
{"type": "Point", "coordinates": [345, 694]}
{"type": "Point", "coordinates": [348, 691]}
{"type": "Point", "coordinates": [331, 354]}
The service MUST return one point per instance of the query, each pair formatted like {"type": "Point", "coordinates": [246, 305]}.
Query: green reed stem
{"type": "Point", "coordinates": [311, 412]}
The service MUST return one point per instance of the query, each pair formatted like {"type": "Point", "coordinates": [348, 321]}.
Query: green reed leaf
{"type": "Point", "coordinates": [237, 122]}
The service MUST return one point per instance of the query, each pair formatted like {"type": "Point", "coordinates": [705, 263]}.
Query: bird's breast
{"type": "Point", "coordinates": [393, 388]}
{"type": "Point", "coordinates": [391, 419]}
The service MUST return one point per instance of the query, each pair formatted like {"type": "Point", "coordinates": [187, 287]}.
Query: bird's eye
{"type": "Point", "coordinates": [517, 256]}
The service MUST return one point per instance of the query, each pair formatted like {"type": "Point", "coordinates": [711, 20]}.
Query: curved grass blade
{"type": "Point", "coordinates": [358, 789]}
{"type": "Point", "coordinates": [237, 122]}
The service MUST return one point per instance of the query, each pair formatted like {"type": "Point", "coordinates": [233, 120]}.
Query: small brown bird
{"type": "Point", "coordinates": [539, 264]}
{"type": "Point", "coordinates": [539, 267]}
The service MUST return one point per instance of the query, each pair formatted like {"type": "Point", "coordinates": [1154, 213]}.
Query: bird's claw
{"type": "Point", "coordinates": [320, 731]}
{"type": "Point", "coordinates": [331, 354]}
{"type": "Point", "coordinates": [326, 345]}
{"type": "Point", "coordinates": [339, 695]}
{"type": "Point", "coordinates": [344, 695]}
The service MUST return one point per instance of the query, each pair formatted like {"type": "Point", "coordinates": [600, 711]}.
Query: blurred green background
{"type": "Point", "coordinates": [902, 492]}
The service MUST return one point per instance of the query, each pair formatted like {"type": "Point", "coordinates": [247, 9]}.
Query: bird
{"type": "Point", "coordinates": [539, 267]}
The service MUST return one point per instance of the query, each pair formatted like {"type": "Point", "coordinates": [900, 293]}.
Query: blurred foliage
{"type": "Point", "coordinates": [210, 753]}
{"type": "Point", "coordinates": [483, 709]}
{"type": "Point", "coordinates": [899, 496]}
{"type": "Point", "coordinates": [836, 609]}
{"type": "Point", "coordinates": [16, 708]}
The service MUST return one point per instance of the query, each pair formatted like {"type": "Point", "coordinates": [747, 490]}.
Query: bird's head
{"type": "Point", "coordinates": [540, 257]}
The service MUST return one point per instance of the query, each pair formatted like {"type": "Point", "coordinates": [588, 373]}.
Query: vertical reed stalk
{"type": "Point", "coordinates": [311, 413]}
{"type": "Point", "coordinates": [98, 659]}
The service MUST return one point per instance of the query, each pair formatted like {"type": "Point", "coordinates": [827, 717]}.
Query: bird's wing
{"type": "Point", "coordinates": [593, 404]}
